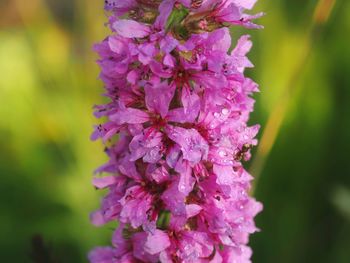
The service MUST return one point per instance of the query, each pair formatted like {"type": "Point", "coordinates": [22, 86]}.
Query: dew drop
{"type": "Point", "coordinates": [240, 220]}
{"type": "Point", "coordinates": [222, 153]}
{"type": "Point", "coordinates": [225, 111]}
{"type": "Point", "coordinates": [187, 247]}
{"type": "Point", "coordinates": [182, 187]}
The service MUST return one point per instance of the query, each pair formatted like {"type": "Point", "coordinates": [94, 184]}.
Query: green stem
{"type": "Point", "coordinates": [321, 15]}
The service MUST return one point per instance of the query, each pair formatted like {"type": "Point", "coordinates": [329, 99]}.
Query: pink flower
{"type": "Point", "coordinates": [232, 11]}
{"type": "Point", "coordinates": [188, 246]}
{"type": "Point", "coordinates": [194, 148]}
{"type": "Point", "coordinates": [101, 255]}
{"type": "Point", "coordinates": [176, 133]}
{"type": "Point", "coordinates": [131, 29]}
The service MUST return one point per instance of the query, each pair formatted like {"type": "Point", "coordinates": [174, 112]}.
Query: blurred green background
{"type": "Point", "coordinates": [48, 84]}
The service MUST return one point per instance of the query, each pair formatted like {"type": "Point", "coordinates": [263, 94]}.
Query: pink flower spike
{"type": "Point", "coordinates": [176, 134]}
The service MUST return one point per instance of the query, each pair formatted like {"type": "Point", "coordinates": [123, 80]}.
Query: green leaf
{"type": "Point", "coordinates": [176, 17]}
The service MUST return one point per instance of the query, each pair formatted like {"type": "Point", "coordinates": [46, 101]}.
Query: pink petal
{"type": "Point", "coordinates": [247, 4]}
{"type": "Point", "coordinates": [131, 29]}
{"type": "Point", "coordinates": [103, 182]}
{"type": "Point", "coordinates": [158, 97]}
{"type": "Point", "coordinates": [157, 242]}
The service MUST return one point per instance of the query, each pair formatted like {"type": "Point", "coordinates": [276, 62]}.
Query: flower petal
{"type": "Point", "coordinates": [158, 97]}
{"type": "Point", "coordinates": [157, 242]}
{"type": "Point", "coordinates": [131, 29]}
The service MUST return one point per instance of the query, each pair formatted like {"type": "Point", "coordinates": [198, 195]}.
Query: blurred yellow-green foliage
{"type": "Point", "coordinates": [49, 82]}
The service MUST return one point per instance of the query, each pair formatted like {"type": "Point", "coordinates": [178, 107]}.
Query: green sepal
{"type": "Point", "coordinates": [163, 219]}
{"type": "Point", "coordinates": [176, 17]}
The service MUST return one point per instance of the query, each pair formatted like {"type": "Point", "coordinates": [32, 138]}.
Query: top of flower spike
{"type": "Point", "coordinates": [193, 16]}
{"type": "Point", "coordinates": [120, 4]}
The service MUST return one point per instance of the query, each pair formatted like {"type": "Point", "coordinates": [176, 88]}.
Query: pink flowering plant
{"type": "Point", "coordinates": [176, 132]}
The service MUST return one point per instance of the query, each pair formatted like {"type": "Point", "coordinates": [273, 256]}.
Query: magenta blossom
{"type": "Point", "coordinates": [175, 131]}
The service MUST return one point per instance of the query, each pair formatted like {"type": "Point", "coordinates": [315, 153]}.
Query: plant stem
{"type": "Point", "coordinates": [321, 15]}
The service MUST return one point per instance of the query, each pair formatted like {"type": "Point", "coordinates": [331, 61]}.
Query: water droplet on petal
{"type": "Point", "coordinates": [240, 220]}
{"type": "Point", "coordinates": [182, 187]}
{"type": "Point", "coordinates": [225, 111]}
{"type": "Point", "coordinates": [222, 153]}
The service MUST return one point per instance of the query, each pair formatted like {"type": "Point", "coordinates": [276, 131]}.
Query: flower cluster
{"type": "Point", "coordinates": [176, 132]}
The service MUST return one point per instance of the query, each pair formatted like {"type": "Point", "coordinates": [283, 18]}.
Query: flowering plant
{"type": "Point", "coordinates": [179, 103]}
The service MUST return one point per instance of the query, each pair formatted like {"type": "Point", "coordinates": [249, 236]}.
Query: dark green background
{"type": "Point", "coordinates": [49, 82]}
